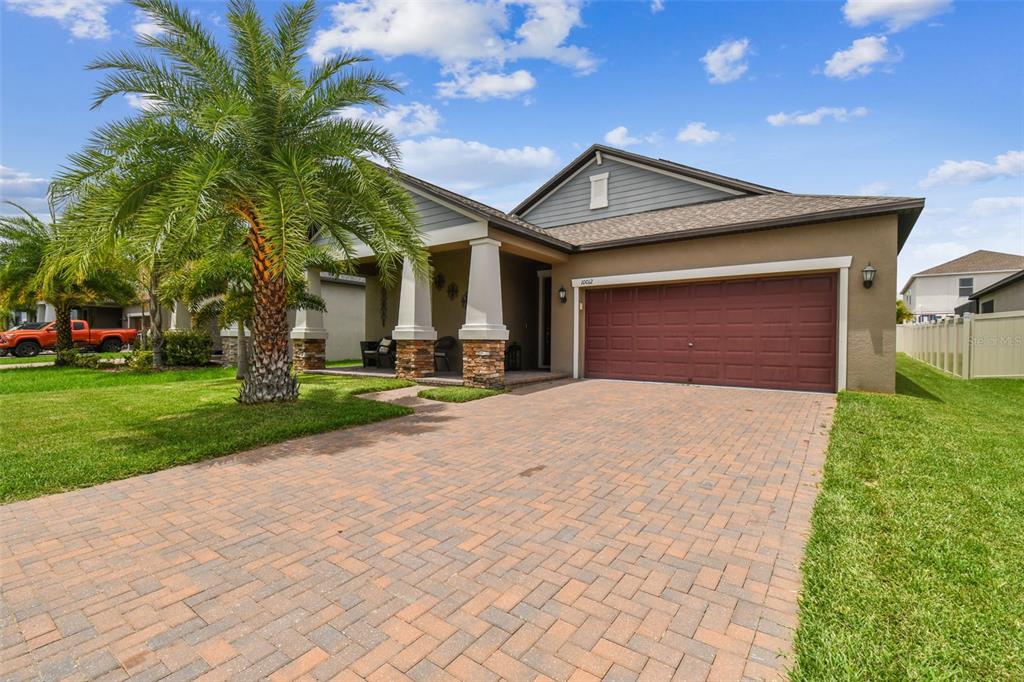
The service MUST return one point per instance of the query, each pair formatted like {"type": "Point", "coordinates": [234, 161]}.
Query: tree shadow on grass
{"type": "Point", "coordinates": [907, 386]}
{"type": "Point", "coordinates": [231, 429]}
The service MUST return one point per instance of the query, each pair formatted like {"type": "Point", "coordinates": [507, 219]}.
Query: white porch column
{"type": "Point", "coordinates": [483, 305]}
{"type": "Point", "coordinates": [414, 317]}
{"type": "Point", "coordinates": [309, 324]}
{"type": "Point", "coordinates": [49, 313]}
{"type": "Point", "coordinates": [181, 320]}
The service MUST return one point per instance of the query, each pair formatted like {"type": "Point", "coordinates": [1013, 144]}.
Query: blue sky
{"type": "Point", "coordinates": [901, 97]}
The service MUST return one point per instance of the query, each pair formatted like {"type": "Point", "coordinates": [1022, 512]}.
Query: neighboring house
{"type": "Point", "coordinates": [344, 321]}
{"type": "Point", "coordinates": [946, 288]}
{"type": "Point", "coordinates": [628, 267]}
{"type": "Point", "coordinates": [1006, 295]}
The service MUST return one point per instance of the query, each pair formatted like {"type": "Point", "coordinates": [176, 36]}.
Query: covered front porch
{"type": "Point", "coordinates": [483, 317]}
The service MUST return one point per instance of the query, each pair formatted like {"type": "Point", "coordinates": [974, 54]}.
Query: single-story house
{"type": "Point", "coordinates": [1006, 295]}
{"type": "Point", "coordinates": [623, 266]}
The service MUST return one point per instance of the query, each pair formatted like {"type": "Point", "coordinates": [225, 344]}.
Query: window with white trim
{"type": "Point", "coordinates": [599, 191]}
{"type": "Point", "coordinates": [966, 286]}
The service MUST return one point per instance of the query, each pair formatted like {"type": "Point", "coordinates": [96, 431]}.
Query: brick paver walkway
{"type": "Point", "coordinates": [587, 530]}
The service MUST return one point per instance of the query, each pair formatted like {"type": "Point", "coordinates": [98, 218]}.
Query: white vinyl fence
{"type": "Point", "coordinates": [972, 347]}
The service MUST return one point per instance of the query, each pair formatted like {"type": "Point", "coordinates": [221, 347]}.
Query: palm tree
{"type": "Point", "coordinates": [217, 285]}
{"type": "Point", "coordinates": [245, 137]}
{"type": "Point", "coordinates": [32, 269]}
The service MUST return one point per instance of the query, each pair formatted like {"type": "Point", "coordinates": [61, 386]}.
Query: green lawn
{"type": "Point", "coordinates": [36, 359]}
{"type": "Point", "coordinates": [915, 565]}
{"type": "Point", "coordinates": [343, 363]}
{"type": "Point", "coordinates": [67, 428]}
{"type": "Point", "coordinates": [457, 394]}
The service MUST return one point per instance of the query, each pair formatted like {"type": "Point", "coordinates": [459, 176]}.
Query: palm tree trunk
{"type": "Point", "coordinates": [270, 377]}
{"type": "Point", "coordinates": [62, 323]}
{"type": "Point", "coordinates": [243, 353]}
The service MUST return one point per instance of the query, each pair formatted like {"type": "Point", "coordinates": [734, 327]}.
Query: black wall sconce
{"type": "Point", "coordinates": [562, 295]}
{"type": "Point", "coordinates": [869, 275]}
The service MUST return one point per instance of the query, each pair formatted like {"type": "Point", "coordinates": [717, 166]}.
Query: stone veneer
{"type": "Point", "coordinates": [414, 358]}
{"type": "Point", "coordinates": [308, 354]}
{"type": "Point", "coordinates": [483, 363]}
{"type": "Point", "coordinates": [229, 350]}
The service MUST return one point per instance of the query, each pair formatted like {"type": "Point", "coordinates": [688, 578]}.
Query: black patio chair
{"type": "Point", "coordinates": [442, 347]}
{"type": "Point", "coordinates": [386, 353]}
{"type": "Point", "coordinates": [368, 349]}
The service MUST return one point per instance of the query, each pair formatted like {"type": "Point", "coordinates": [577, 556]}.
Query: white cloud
{"type": "Point", "coordinates": [84, 18]}
{"type": "Point", "coordinates": [403, 120]}
{"type": "Point", "coordinates": [484, 86]}
{"type": "Point", "coordinates": [697, 132]}
{"type": "Point", "coordinates": [989, 206]}
{"type": "Point", "coordinates": [141, 102]}
{"type": "Point", "coordinates": [472, 41]}
{"type": "Point", "coordinates": [873, 189]}
{"type": "Point", "coordinates": [895, 14]}
{"type": "Point", "coordinates": [470, 167]}
{"type": "Point", "coordinates": [862, 57]}
{"type": "Point", "coordinates": [24, 189]}
{"type": "Point", "coordinates": [727, 62]}
{"type": "Point", "coordinates": [657, 6]}
{"type": "Point", "coordinates": [144, 25]}
{"type": "Point", "coordinates": [964, 172]}
{"type": "Point", "coordinates": [813, 118]}
{"type": "Point", "coordinates": [620, 137]}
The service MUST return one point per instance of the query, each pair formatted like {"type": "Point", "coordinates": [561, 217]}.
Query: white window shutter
{"type": "Point", "coordinates": [599, 190]}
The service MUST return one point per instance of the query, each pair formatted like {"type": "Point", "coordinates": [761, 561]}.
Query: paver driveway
{"type": "Point", "coordinates": [588, 529]}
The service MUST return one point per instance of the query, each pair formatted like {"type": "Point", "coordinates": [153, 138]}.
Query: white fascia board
{"type": "Point", "coordinates": [446, 235]}
{"type": "Point", "coordinates": [722, 271]}
{"type": "Point", "coordinates": [447, 204]}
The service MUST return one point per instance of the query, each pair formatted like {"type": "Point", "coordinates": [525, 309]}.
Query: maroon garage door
{"type": "Point", "coordinates": [777, 332]}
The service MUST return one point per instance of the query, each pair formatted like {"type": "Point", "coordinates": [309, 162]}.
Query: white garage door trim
{"type": "Point", "coordinates": [840, 263]}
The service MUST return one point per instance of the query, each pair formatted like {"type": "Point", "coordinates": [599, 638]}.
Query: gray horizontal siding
{"type": "Point", "coordinates": [434, 216]}
{"type": "Point", "coordinates": [630, 190]}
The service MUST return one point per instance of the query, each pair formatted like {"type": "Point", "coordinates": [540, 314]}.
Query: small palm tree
{"type": "Point", "coordinates": [32, 269]}
{"type": "Point", "coordinates": [247, 138]}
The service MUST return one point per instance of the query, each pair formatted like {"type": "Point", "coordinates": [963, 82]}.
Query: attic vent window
{"type": "Point", "coordinates": [599, 191]}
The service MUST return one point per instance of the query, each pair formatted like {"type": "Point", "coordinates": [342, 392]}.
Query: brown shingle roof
{"type": "Point", "coordinates": [489, 213]}
{"type": "Point", "coordinates": [729, 215]}
{"type": "Point", "coordinates": [978, 261]}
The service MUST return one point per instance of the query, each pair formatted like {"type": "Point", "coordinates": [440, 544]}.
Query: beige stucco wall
{"type": "Point", "coordinates": [1007, 299]}
{"type": "Point", "coordinates": [871, 358]}
{"type": "Point", "coordinates": [344, 319]}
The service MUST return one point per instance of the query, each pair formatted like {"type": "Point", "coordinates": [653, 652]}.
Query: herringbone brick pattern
{"type": "Point", "coordinates": [589, 530]}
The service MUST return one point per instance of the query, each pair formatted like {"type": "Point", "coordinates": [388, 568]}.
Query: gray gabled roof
{"type": "Point", "coordinates": [977, 261]}
{"type": "Point", "coordinates": [1006, 281]}
{"type": "Point", "coordinates": [659, 164]}
{"type": "Point", "coordinates": [740, 214]}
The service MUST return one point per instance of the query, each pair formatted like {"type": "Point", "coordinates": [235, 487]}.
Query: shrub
{"type": "Point", "coordinates": [187, 349]}
{"type": "Point", "coordinates": [140, 360]}
{"type": "Point", "coordinates": [75, 358]}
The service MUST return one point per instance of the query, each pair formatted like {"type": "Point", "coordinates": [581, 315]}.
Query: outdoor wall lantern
{"type": "Point", "coordinates": [869, 275]}
{"type": "Point", "coordinates": [562, 295]}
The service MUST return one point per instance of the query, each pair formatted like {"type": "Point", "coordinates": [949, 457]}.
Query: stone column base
{"type": "Point", "coordinates": [414, 358]}
{"type": "Point", "coordinates": [308, 354]}
{"type": "Point", "coordinates": [229, 350]}
{"type": "Point", "coordinates": [483, 363]}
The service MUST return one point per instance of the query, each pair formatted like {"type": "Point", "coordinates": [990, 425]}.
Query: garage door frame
{"type": "Point", "coordinates": [831, 264]}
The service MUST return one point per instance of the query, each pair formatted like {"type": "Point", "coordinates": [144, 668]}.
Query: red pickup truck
{"type": "Point", "coordinates": [24, 343]}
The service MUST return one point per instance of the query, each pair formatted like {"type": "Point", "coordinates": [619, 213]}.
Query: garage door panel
{"type": "Point", "coordinates": [777, 332]}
